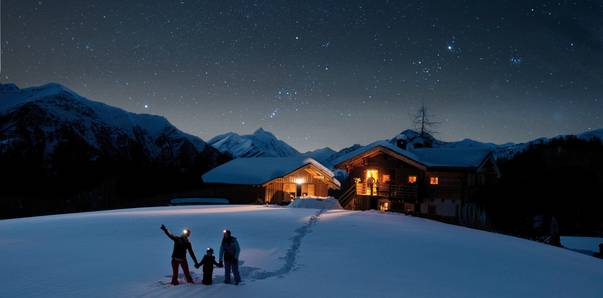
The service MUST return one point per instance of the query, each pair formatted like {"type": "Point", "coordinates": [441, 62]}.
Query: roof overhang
{"type": "Point", "coordinates": [329, 178]}
{"type": "Point", "coordinates": [381, 149]}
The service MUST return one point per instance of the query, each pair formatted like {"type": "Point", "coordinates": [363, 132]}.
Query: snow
{"type": "Point", "coordinates": [452, 157]}
{"type": "Point", "coordinates": [190, 201]}
{"type": "Point", "coordinates": [259, 170]}
{"type": "Point", "coordinates": [327, 203]}
{"type": "Point", "coordinates": [260, 143]}
{"type": "Point", "coordinates": [371, 146]}
{"type": "Point", "coordinates": [322, 155]}
{"type": "Point", "coordinates": [66, 106]}
{"type": "Point", "coordinates": [586, 245]}
{"type": "Point", "coordinates": [431, 157]}
{"type": "Point", "coordinates": [286, 252]}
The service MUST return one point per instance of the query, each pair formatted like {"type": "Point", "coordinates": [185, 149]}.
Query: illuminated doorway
{"type": "Point", "coordinates": [371, 182]}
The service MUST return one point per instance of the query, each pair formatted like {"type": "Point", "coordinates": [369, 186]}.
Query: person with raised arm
{"type": "Point", "coordinates": [181, 246]}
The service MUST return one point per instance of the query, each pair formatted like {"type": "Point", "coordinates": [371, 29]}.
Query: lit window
{"type": "Point", "coordinates": [434, 180]}
{"type": "Point", "coordinates": [386, 178]}
{"type": "Point", "coordinates": [412, 179]}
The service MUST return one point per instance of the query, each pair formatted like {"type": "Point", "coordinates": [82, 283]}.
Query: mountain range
{"type": "Point", "coordinates": [57, 143]}
{"type": "Point", "coordinates": [40, 123]}
{"type": "Point", "coordinates": [263, 143]}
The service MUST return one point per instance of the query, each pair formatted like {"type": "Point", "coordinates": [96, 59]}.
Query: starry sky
{"type": "Point", "coordinates": [322, 73]}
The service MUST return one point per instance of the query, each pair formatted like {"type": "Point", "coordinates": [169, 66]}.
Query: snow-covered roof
{"type": "Point", "coordinates": [429, 157]}
{"type": "Point", "coordinates": [371, 146]}
{"type": "Point", "coordinates": [452, 157]}
{"type": "Point", "coordinates": [260, 170]}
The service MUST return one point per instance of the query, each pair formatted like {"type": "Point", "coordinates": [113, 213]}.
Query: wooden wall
{"type": "Point", "coordinates": [278, 191]}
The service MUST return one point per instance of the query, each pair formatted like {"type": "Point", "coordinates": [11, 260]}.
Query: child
{"type": "Point", "coordinates": [208, 263]}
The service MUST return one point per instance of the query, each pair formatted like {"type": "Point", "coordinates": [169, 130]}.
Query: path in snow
{"type": "Point", "coordinates": [290, 256]}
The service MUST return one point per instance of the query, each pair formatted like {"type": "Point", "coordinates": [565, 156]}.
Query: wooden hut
{"type": "Point", "coordinates": [269, 180]}
{"type": "Point", "coordinates": [436, 181]}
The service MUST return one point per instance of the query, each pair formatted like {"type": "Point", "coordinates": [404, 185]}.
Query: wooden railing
{"type": "Point", "coordinates": [346, 198]}
{"type": "Point", "coordinates": [403, 191]}
{"type": "Point", "coordinates": [388, 190]}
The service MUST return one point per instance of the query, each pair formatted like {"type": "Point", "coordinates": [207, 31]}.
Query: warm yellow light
{"type": "Point", "coordinates": [412, 179]}
{"type": "Point", "coordinates": [299, 180]}
{"type": "Point", "coordinates": [372, 173]}
{"type": "Point", "coordinates": [434, 180]}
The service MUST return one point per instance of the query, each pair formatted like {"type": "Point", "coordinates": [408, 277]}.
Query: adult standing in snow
{"type": "Point", "coordinates": [181, 245]}
{"type": "Point", "coordinates": [229, 253]}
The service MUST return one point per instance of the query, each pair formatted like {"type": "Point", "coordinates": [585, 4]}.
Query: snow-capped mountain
{"type": "Point", "coordinates": [410, 139]}
{"type": "Point", "coordinates": [260, 143]}
{"type": "Point", "coordinates": [44, 122]}
{"type": "Point", "coordinates": [321, 155]}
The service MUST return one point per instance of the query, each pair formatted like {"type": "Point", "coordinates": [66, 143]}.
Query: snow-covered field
{"type": "Point", "coordinates": [585, 245]}
{"type": "Point", "coordinates": [286, 252]}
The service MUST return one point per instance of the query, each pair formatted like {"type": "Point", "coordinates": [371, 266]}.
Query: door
{"type": "Point", "coordinates": [371, 182]}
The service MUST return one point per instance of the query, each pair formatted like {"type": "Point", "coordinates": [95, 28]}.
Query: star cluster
{"type": "Point", "coordinates": [322, 73]}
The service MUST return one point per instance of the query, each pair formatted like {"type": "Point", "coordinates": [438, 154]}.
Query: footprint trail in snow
{"type": "Point", "coordinates": [292, 251]}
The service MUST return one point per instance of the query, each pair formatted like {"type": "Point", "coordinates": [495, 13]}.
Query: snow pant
{"type": "Point", "coordinates": [207, 277]}
{"type": "Point", "coordinates": [234, 267]}
{"type": "Point", "coordinates": [184, 265]}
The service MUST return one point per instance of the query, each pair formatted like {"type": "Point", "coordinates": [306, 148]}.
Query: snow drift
{"type": "Point", "coordinates": [328, 203]}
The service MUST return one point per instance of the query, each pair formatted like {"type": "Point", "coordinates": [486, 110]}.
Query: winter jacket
{"type": "Point", "coordinates": [229, 250]}
{"type": "Point", "coordinates": [181, 245]}
{"type": "Point", "coordinates": [208, 263]}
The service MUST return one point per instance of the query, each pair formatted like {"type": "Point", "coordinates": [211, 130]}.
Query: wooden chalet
{"type": "Point", "coordinates": [433, 181]}
{"type": "Point", "coordinates": [269, 180]}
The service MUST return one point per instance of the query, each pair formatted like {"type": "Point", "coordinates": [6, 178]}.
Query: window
{"type": "Point", "coordinates": [385, 179]}
{"type": "Point", "coordinates": [412, 179]}
{"type": "Point", "coordinates": [434, 180]}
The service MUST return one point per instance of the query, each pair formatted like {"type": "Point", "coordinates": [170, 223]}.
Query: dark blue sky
{"type": "Point", "coordinates": [322, 73]}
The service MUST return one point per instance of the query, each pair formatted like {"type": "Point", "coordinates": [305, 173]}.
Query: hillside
{"type": "Point", "coordinates": [285, 253]}
{"type": "Point", "coordinates": [55, 142]}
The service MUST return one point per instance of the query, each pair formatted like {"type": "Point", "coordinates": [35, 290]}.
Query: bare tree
{"type": "Point", "coordinates": [424, 123]}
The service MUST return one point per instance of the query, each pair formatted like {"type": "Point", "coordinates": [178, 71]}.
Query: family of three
{"type": "Point", "coordinates": [229, 257]}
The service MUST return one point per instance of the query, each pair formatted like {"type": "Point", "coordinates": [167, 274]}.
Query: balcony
{"type": "Point", "coordinates": [407, 192]}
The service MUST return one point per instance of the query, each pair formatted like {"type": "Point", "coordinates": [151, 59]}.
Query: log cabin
{"type": "Point", "coordinates": [271, 180]}
{"type": "Point", "coordinates": [440, 182]}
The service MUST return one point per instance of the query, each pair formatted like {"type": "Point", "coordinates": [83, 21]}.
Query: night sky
{"type": "Point", "coordinates": [322, 73]}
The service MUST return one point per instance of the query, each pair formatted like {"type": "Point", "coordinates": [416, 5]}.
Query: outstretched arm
{"type": "Point", "coordinates": [192, 253]}
{"type": "Point", "coordinates": [221, 254]}
{"type": "Point", "coordinates": [167, 233]}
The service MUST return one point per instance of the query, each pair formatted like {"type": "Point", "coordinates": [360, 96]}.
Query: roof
{"type": "Point", "coordinates": [452, 157]}
{"type": "Point", "coordinates": [261, 170]}
{"type": "Point", "coordinates": [375, 145]}
{"type": "Point", "coordinates": [428, 157]}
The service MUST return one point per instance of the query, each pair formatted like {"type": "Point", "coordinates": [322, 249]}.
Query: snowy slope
{"type": "Point", "coordinates": [260, 143]}
{"type": "Point", "coordinates": [286, 252]}
{"type": "Point", "coordinates": [44, 118]}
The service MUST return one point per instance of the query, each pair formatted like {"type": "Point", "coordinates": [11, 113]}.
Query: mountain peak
{"type": "Point", "coordinates": [261, 143]}
{"type": "Point", "coordinates": [262, 131]}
